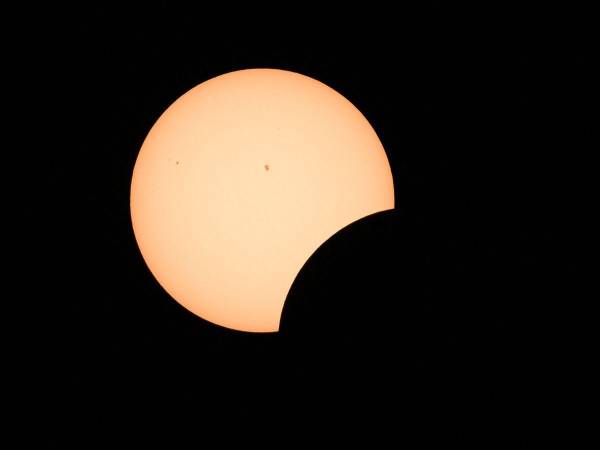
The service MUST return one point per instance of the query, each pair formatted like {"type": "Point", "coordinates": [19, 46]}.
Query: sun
{"type": "Point", "coordinates": [241, 180]}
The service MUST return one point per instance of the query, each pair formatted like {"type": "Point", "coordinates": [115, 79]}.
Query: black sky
{"type": "Point", "coordinates": [458, 320]}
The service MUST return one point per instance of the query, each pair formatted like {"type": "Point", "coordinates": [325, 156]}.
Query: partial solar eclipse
{"type": "Point", "coordinates": [241, 180]}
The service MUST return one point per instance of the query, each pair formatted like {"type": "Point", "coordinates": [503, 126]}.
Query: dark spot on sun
{"type": "Point", "coordinates": [266, 167]}
{"type": "Point", "coordinates": [177, 162]}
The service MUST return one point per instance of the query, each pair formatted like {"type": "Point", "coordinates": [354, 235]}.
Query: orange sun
{"type": "Point", "coordinates": [241, 180]}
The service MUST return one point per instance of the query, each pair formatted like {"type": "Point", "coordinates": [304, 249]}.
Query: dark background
{"type": "Point", "coordinates": [459, 319]}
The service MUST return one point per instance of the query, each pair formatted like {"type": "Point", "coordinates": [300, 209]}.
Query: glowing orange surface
{"type": "Point", "coordinates": [241, 180]}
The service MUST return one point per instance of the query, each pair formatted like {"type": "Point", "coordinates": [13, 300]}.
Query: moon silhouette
{"type": "Point", "coordinates": [241, 180]}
